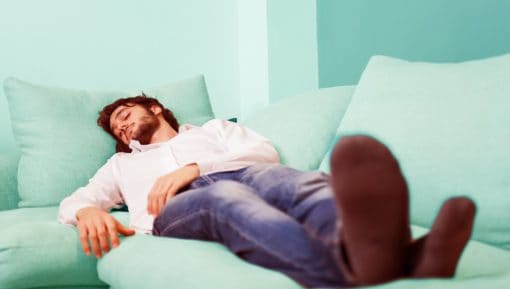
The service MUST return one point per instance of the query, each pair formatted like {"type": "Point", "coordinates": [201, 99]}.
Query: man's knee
{"type": "Point", "coordinates": [224, 190]}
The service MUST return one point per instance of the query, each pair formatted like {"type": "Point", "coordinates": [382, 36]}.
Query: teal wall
{"type": "Point", "coordinates": [251, 52]}
{"type": "Point", "coordinates": [349, 32]}
{"type": "Point", "coordinates": [120, 44]}
{"type": "Point", "coordinates": [253, 56]}
{"type": "Point", "coordinates": [277, 51]}
{"type": "Point", "coordinates": [292, 47]}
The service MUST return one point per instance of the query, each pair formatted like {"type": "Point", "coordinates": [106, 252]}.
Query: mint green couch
{"type": "Point", "coordinates": [38, 252]}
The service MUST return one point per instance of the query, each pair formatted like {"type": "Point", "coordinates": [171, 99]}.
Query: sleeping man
{"type": "Point", "coordinates": [223, 182]}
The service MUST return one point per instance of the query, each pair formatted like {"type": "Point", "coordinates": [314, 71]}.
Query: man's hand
{"type": "Point", "coordinates": [168, 185]}
{"type": "Point", "coordinates": [97, 226]}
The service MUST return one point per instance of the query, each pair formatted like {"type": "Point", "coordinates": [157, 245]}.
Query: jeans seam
{"type": "Point", "coordinates": [222, 220]}
{"type": "Point", "coordinates": [312, 233]}
{"type": "Point", "coordinates": [183, 219]}
{"type": "Point", "coordinates": [328, 242]}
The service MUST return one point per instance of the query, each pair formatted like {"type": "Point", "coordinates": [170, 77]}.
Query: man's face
{"type": "Point", "coordinates": [133, 122]}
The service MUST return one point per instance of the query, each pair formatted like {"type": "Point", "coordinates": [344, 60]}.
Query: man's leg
{"type": "Point", "coordinates": [307, 197]}
{"type": "Point", "coordinates": [437, 253]}
{"type": "Point", "coordinates": [372, 197]}
{"type": "Point", "coordinates": [231, 213]}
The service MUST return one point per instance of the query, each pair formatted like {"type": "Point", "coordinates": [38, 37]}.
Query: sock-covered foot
{"type": "Point", "coordinates": [438, 254]}
{"type": "Point", "coordinates": [372, 201]}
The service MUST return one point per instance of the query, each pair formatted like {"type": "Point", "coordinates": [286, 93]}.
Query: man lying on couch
{"type": "Point", "coordinates": [223, 182]}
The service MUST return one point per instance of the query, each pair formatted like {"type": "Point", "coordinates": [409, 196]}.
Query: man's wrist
{"type": "Point", "coordinates": [83, 211]}
{"type": "Point", "coordinates": [80, 213]}
{"type": "Point", "coordinates": [194, 169]}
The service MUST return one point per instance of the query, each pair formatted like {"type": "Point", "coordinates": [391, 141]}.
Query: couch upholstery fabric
{"type": "Point", "coordinates": [301, 127]}
{"type": "Point", "coordinates": [448, 125]}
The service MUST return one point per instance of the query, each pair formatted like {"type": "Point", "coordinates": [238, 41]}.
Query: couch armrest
{"type": "Point", "coordinates": [8, 180]}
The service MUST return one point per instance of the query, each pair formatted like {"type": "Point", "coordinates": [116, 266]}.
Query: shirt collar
{"type": "Point", "coordinates": [136, 146]}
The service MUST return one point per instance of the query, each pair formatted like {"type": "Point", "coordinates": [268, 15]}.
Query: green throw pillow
{"type": "Point", "coordinates": [449, 126]}
{"type": "Point", "coordinates": [61, 144]}
{"type": "Point", "coordinates": [301, 127]}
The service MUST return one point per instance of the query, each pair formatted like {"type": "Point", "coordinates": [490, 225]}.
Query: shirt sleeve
{"type": "Point", "coordinates": [243, 145]}
{"type": "Point", "coordinates": [101, 192]}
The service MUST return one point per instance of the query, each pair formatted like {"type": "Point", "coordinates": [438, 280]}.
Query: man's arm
{"type": "Point", "coordinates": [88, 207]}
{"type": "Point", "coordinates": [97, 226]}
{"type": "Point", "coordinates": [243, 146]}
{"type": "Point", "coordinates": [168, 185]}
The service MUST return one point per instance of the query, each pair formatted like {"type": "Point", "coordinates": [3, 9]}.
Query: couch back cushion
{"type": "Point", "coordinates": [449, 126]}
{"type": "Point", "coordinates": [9, 197]}
{"type": "Point", "coordinates": [301, 127]}
{"type": "Point", "coordinates": [61, 144]}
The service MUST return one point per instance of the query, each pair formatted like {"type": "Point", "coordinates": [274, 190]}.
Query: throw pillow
{"type": "Point", "coordinates": [60, 142]}
{"type": "Point", "coordinates": [449, 126]}
{"type": "Point", "coordinates": [301, 127]}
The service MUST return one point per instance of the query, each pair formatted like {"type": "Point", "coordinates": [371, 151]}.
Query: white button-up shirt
{"type": "Point", "coordinates": [216, 146]}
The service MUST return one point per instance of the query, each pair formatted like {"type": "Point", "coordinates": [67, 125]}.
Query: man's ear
{"type": "Point", "coordinates": [156, 109]}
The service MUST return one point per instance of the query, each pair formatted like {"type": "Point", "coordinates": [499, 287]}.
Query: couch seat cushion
{"type": "Point", "coordinates": [145, 261]}
{"type": "Point", "coordinates": [37, 251]}
{"type": "Point", "coordinates": [152, 262]}
{"type": "Point", "coordinates": [485, 282]}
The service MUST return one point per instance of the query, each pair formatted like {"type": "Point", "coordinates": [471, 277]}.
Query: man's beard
{"type": "Point", "coordinates": [146, 129]}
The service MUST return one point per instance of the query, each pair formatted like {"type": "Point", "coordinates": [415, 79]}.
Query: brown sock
{"type": "Point", "coordinates": [415, 253]}
{"type": "Point", "coordinates": [372, 200]}
{"type": "Point", "coordinates": [437, 254]}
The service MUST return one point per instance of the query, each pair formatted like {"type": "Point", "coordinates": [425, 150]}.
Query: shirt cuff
{"type": "Point", "coordinates": [67, 213]}
{"type": "Point", "coordinates": [205, 167]}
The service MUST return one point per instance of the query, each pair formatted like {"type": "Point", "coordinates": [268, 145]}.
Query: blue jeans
{"type": "Point", "coordinates": [270, 215]}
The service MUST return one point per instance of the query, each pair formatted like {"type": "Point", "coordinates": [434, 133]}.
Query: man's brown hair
{"type": "Point", "coordinates": [104, 115]}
